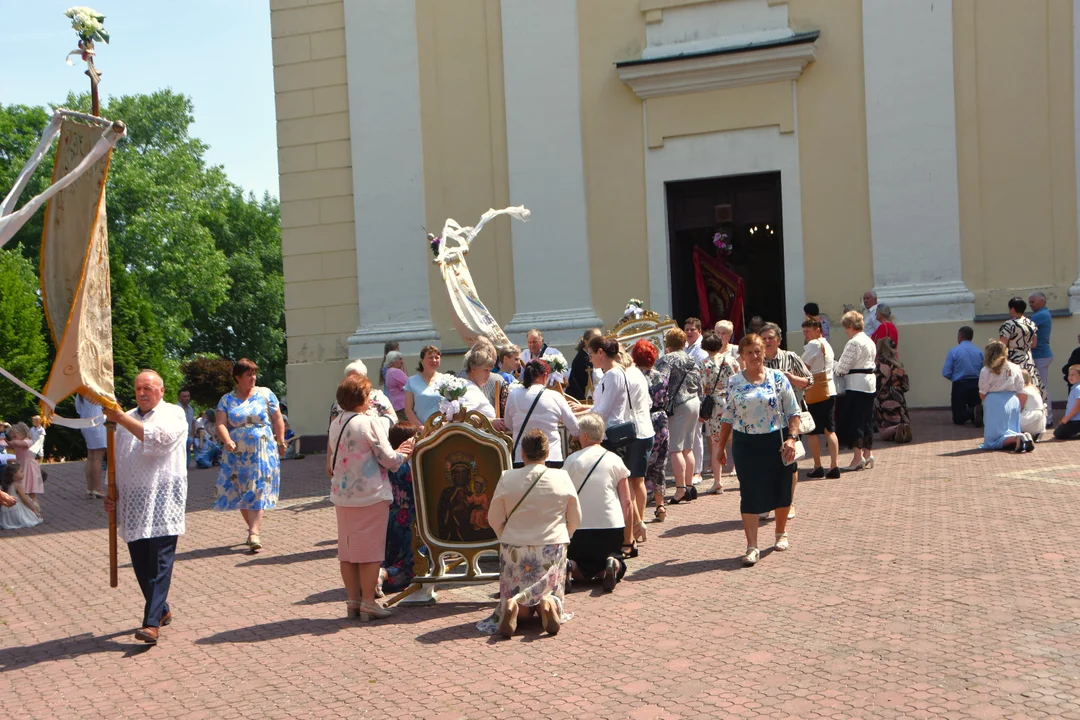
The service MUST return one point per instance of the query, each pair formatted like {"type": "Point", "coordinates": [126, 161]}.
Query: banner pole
{"type": "Point", "coordinates": [110, 458]}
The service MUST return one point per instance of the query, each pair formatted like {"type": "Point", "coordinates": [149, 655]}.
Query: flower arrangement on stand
{"type": "Point", "coordinates": [723, 243]}
{"type": "Point", "coordinates": [556, 361]}
{"type": "Point", "coordinates": [635, 308]}
{"type": "Point", "coordinates": [451, 390]}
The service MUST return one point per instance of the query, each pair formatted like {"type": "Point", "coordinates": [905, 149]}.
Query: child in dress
{"type": "Point", "coordinates": [1032, 412]}
{"type": "Point", "coordinates": [18, 439]}
{"type": "Point", "coordinates": [25, 512]}
{"type": "Point", "coordinates": [37, 438]}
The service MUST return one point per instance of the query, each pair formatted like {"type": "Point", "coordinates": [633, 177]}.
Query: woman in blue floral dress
{"type": "Point", "coordinates": [252, 431]}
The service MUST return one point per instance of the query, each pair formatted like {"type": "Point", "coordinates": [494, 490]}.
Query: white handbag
{"type": "Point", "coordinates": [806, 423]}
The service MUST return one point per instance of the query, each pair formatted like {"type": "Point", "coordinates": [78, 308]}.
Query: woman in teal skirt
{"type": "Point", "coordinates": [252, 432]}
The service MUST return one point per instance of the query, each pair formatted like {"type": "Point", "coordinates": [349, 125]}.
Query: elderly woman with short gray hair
{"type": "Point", "coordinates": [600, 478]}
{"type": "Point", "coordinates": [379, 405]}
{"type": "Point", "coordinates": [479, 362]}
{"type": "Point", "coordinates": [885, 327]}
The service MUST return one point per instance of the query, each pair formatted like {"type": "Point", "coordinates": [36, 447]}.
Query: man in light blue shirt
{"type": "Point", "coordinates": [1042, 354]}
{"type": "Point", "coordinates": [962, 366]}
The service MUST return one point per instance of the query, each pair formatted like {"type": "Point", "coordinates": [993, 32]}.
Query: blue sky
{"type": "Point", "coordinates": [218, 52]}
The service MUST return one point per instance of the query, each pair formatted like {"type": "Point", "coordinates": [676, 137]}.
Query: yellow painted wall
{"type": "Point", "coordinates": [463, 122]}
{"type": "Point", "coordinates": [831, 107]}
{"type": "Point", "coordinates": [1014, 98]}
{"type": "Point", "coordinates": [613, 152]}
{"type": "Point", "coordinates": [317, 230]}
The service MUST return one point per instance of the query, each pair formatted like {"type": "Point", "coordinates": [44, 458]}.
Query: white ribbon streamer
{"type": "Point", "coordinates": [77, 423]}
{"type": "Point", "coordinates": [10, 222]}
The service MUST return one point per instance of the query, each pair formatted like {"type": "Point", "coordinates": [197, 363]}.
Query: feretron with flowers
{"type": "Point", "coordinates": [89, 25]}
{"type": "Point", "coordinates": [556, 361]}
{"type": "Point", "coordinates": [451, 389]}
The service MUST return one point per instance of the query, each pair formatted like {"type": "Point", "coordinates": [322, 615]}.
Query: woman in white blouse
{"type": "Point", "coordinates": [819, 358]}
{"type": "Point", "coordinates": [479, 362]}
{"type": "Point", "coordinates": [999, 383]}
{"type": "Point", "coordinates": [622, 396]}
{"type": "Point", "coordinates": [601, 481]}
{"type": "Point", "coordinates": [534, 512]}
{"type": "Point", "coordinates": [548, 408]}
{"type": "Point", "coordinates": [856, 366]}
{"type": "Point", "coordinates": [358, 455]}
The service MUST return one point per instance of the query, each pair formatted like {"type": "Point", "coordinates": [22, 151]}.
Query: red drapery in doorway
{"type": "Point", "coordinates": [721, 293]}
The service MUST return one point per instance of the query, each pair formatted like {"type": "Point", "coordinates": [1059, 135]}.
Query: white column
{"type": "Point", "coordinates": [1074, 291]}
{"type": "Point", "coordinates": [911, 156]}
{"type": "Point", "coordinates": [543, 131]}
{"type": "Point", "coordinates": [388, 167]}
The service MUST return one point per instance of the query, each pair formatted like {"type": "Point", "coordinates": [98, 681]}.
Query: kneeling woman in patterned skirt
{"type": "Point", "coordinates": [534, 511]}
{"type": "Point", "coordinates": [762, 417]}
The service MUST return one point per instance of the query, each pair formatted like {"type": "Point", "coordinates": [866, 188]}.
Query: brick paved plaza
{"type": "Point", "coordinates": [942, 583]}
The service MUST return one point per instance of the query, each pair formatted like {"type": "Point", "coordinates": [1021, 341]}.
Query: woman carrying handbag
{"type": "Point", "coordinates": [821, 398]}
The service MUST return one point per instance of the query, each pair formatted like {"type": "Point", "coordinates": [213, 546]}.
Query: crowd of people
{"type": "Point", "coordinates": [632, 417]}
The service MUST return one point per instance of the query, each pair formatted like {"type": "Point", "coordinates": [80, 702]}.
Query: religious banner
{"type": "Point", "coordinates": [471, 317]}
{"type": "Point", "coordinates": [721, 293]}
{"type": "Point", "coordinates": [75, 274]}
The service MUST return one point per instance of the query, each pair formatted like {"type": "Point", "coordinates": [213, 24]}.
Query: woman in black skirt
{"type": "Point", "coordinates": [856, 366]}
{"type": "Point", "coordinates": [762, 418]}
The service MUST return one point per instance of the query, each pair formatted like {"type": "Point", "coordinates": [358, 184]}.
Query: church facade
{"type": "Point", "coordinates": [924, 149]}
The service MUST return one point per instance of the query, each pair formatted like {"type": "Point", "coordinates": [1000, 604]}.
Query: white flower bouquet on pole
{"type": "Point", "coordinates": [556, 361]}
{"type": "Point", "coordinates": [451, 390]}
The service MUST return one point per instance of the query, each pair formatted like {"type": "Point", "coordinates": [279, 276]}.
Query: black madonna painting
{"type": "Point", "coordinates": [459, 479]}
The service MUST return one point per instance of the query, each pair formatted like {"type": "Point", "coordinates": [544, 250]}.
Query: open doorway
{"type": "Point", "coordinates": [748, 209]}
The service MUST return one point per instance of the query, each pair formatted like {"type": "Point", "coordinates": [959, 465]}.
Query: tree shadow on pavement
{"type": "Point", "coordinates": [18, 658]}
{"type": "Point", "coordinates": [965, 453]}
{"type": "Point", "coordinates": [324, 554]}
{"type": "Point", "coordinates": [317, 627]}
{"type": "Point", "coordinates": [702, 529]}
{"type": "Point", "coordinates": [676, 569]}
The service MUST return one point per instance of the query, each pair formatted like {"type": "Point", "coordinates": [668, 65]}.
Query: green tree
{"type": "Point", "coordinates": [23, 352]}
{"type": "Point", "coordinates": [252, 322]}
{"type": "Point", "coordinates": [196, 264]}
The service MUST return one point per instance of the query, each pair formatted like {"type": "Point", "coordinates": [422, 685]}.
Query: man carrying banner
{"type": "Point", "coordinates": [151, 482]}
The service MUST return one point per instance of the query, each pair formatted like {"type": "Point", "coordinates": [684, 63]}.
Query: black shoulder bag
{"type": "Point", "coordinates": [708, 403]}
{"type": "Point", "coordinates": [333, 464]}
{"type": "Point", "coordinates": [589, 474]}
{"type": "Point", "coordinates": [524, 496]}
{"type": "Point", "coordinates": [624, 433]}
{"type": "Point", "coordinates": [524, 423]}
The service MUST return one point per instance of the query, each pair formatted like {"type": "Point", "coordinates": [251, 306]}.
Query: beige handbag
{"type": "Point", "coordinates": [819, 391]}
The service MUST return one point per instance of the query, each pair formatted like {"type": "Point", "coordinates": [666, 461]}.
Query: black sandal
{"type": "Point", "coordinates": [660, 513]}
{"type": "Point", "coordinates": [633, 550]}
{"type": "Point", "coordinates": [675, 499]}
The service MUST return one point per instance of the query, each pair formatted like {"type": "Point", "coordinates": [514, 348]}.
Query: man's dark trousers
{"type": "Point", "coordinates": [152, 560]}
{"type": "Point", "coordinates": [965, 398]}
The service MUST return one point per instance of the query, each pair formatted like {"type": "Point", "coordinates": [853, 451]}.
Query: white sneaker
{"type": "Point", "coordinates": [782, 543]}
{"type": "Point", "coordinates": [791, 513]}
{"type": "Point", "coordinates": [751, 557]}
{"type": "Point", "coordinates": [697, 480]}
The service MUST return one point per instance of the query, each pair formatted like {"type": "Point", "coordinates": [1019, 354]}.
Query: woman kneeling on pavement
{"type": "Point", "coordinates": [533, 512]}
{"type": "Point", "coordinates": [601, 481]}
{"type": "Point", "coordinates": [763, 416]}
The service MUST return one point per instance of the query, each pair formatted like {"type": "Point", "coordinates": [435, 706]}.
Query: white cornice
{"type": "Point", "coordinates": [716, 71]}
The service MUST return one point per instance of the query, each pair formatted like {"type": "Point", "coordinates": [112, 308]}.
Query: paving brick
{"type": "Point", "coordinates": [940, 584]}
